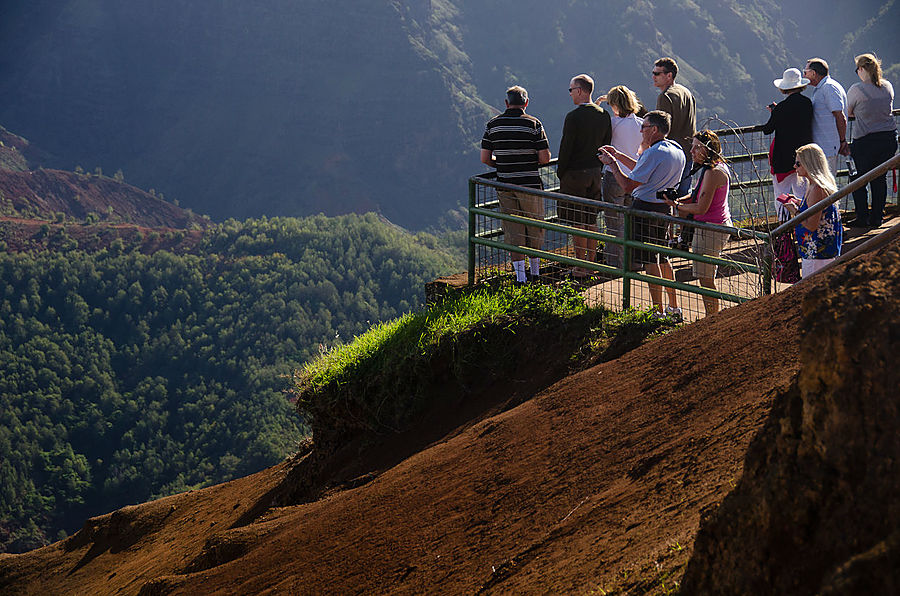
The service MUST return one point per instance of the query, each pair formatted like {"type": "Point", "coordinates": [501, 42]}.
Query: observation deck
{"type": "Point", "coordinates": [745, 269]}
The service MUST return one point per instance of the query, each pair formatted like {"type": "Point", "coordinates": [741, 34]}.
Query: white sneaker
{"type": "Point", "coordinates": [674, 314]}
{"type": "Point", "coordinates": [657, 316]}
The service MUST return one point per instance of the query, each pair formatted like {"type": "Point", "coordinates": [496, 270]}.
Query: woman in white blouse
{"type": "Point", "coordinates": [626, 137]}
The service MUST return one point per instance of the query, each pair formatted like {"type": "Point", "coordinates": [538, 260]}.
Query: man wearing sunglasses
{"type": "Point", "coordinates": [677, 101]}
{"type": "Point", "coordinates": [658, 168]}
{"type": "Point", "coordinates": [580, 173]}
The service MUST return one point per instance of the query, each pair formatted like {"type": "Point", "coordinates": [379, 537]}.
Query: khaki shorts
{"type": "Point", "coordinates": [711, 244]}
{"type": "Point", "coordinates": [526, 205]}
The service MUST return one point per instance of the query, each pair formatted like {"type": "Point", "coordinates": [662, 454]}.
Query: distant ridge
{"type": "Point", "coordinates": [45, 193]}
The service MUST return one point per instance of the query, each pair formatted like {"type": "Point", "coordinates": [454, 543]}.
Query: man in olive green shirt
{"type": "Point", "coordinates": [678, 102]}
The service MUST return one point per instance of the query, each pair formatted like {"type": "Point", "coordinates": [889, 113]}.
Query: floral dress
{"type": "Point", "coordinates": [825, 241]}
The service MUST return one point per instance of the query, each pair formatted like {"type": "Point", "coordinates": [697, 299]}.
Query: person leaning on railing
{"type": "Point", "coordinates": [874, 136]}
{"type": "Point", "coordinates": [791, 120]}
{"type": "Point", "coordinates": [820, 236]}
{"type": "Point", "coordinates": [707, 203]}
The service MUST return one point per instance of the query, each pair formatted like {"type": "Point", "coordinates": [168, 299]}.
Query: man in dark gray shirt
{"type": "Point", "coordinates": [587, 128]}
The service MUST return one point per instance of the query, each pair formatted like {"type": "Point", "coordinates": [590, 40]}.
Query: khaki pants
{"type": "Point", "coordinates": [526, 205]}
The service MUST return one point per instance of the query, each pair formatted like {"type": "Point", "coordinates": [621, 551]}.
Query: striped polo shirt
{"type": "Point", "coordinates": [515, 138]}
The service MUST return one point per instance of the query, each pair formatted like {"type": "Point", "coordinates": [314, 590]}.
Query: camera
{"type": "Point", "coordinates": [772, 105]}
{"type": "Point", "coordinates": [667, 194]}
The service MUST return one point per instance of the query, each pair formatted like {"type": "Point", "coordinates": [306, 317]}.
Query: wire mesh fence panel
{"type": "Point", "coordinates": [746, 150]}
{"type": "Point", "coordinates": [589, 243]}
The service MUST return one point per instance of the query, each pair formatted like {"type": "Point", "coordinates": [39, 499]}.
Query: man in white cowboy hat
{"type": "Point", "coordinates": [829, 112]}
{"type": "Point", "coordinates": [791, 121]}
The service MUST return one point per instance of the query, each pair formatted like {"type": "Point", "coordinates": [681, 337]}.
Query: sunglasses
{"type": "Point", "coordinates": [657, 73]}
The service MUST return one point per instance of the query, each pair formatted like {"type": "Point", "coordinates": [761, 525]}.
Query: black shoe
{"type": "Point", "coordinates": [858, 223]}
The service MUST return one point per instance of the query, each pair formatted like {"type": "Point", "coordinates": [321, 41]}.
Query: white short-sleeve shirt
{"type": "Point", "coordinates": [828, 97]}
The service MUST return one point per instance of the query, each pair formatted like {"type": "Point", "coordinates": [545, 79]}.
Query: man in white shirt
{"type": "Point", "coordinates": [829, 112]}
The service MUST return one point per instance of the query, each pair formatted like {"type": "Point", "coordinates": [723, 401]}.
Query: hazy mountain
{"type": "Point", "coordinates": [284, 107]}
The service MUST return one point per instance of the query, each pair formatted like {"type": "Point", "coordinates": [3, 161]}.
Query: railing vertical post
{"type": "Point", "coordinates": [626, 261]}
{"type": "Point", "coordinates": [768, 261]}
{"type": "Point", "coordinates": [472, 232]}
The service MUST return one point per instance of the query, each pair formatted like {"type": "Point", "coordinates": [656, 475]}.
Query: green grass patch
{"type": "Point", "coordinates": [388, 375]}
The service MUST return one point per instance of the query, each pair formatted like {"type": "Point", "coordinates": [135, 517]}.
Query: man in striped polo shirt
{"type": "Point", "coordinates": [516, 145]}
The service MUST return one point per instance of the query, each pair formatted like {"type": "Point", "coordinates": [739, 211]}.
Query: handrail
{"type": "Point", "coordinates": [734, 231]}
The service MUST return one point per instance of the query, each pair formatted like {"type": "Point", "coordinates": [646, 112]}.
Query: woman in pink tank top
{"type": "Point", "coordinates": [708, 202]}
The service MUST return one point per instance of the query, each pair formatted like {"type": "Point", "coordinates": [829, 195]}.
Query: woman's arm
{"type": "Point", "coordinates": [712, 181]}
{"type": "Point", "coordinates": [813, 196]}
{"type": "Point", "coordinates": [769, 126]}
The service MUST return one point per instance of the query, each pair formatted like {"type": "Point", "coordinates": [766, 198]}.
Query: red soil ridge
{"type": "Point", "coordinates": [48, 192]}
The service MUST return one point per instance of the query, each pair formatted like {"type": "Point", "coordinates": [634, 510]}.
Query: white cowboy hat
{"type": "Point", "coordinates": [791, 79]}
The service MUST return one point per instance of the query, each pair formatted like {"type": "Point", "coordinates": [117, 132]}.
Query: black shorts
{"type": "Point", "coordinates": [649, 230]}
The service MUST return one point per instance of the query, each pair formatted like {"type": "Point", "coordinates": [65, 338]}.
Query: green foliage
{"type": "Point", "coordinates": [385, 378]}
{"type": "Point", "coordinates": [126, 376]}
{"type": "Point", "coordinates": [380, 381]}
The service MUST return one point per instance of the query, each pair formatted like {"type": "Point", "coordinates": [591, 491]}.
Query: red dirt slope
{"type": "Point", "coordinates": [596, 483]}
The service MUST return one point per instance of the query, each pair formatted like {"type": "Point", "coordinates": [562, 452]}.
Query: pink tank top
{"type": "Point", "coordinates": [718, 212]}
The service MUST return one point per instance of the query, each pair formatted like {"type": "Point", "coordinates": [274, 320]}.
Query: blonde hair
{"type": "Point", "coordinates": [813, 160]}
{"type": "Point", "coordinates": [623, 99]}
{"type": "Point", "coordinates": [872, 65]}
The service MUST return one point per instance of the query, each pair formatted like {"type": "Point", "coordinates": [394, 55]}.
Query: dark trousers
{"type": "Point", "coordinates": [870, 152]}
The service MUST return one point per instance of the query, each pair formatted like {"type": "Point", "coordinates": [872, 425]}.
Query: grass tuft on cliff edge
{"type": "Point", "coordinates": [386, 378]}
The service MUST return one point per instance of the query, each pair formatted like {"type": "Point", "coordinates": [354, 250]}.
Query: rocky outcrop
{"type": "Point", "coordinates": [816, 511]}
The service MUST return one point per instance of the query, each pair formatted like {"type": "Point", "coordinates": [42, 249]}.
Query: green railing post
{"type": "Point", "coordinates": [472, 232]}
{"type": "Point", "coordinates": [626, 261]}
{"type": "Point", "coordinates": [767, 264]}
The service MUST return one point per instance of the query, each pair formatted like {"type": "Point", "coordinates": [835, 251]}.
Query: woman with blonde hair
{"type": "Point", "coordinates": [874, 135]}
{"type": "Point", "coordinates": [819, 237]}
{"type": "Point", "coordinates": [626, 137]}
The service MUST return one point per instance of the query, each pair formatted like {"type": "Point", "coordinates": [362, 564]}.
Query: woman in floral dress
{"type": "Point", "coordinates": [819, 237]}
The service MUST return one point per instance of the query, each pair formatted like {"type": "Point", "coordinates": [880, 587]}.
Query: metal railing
{"type": "Point", "coordinates": [744, 267]}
